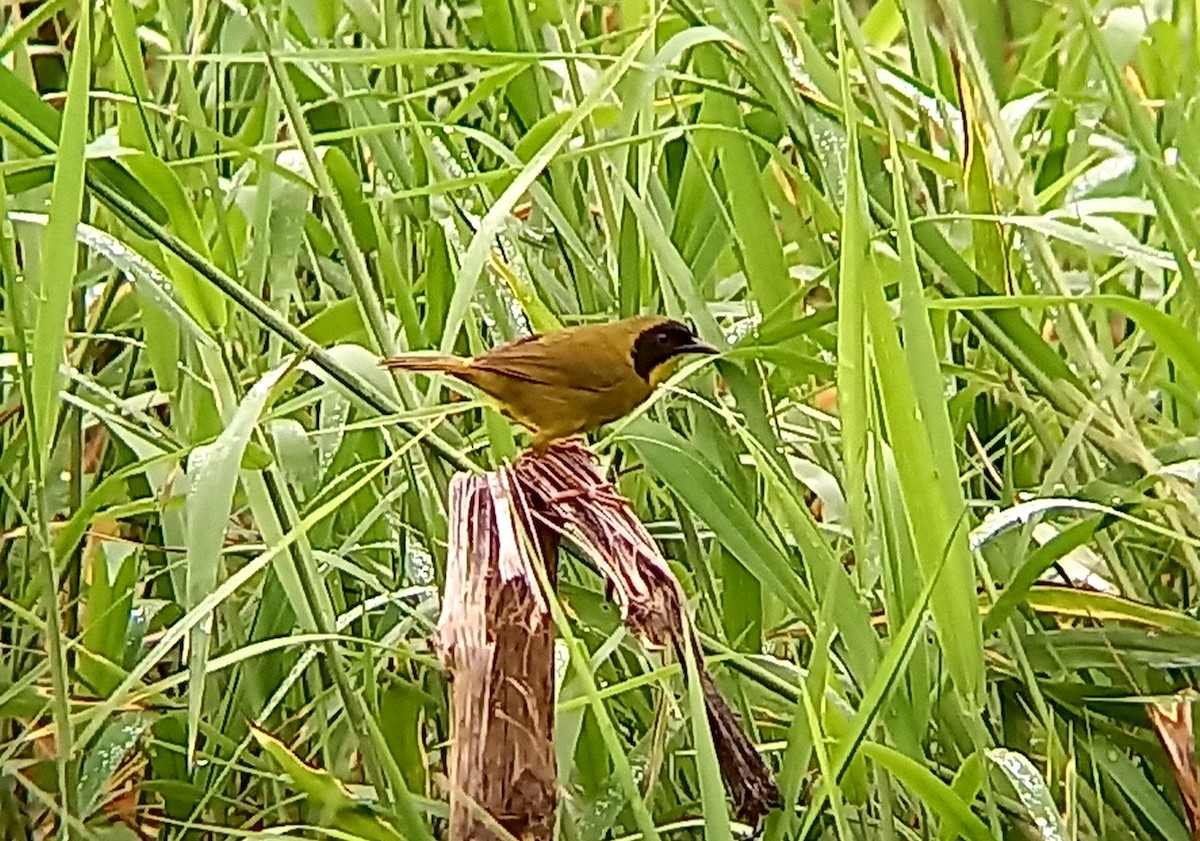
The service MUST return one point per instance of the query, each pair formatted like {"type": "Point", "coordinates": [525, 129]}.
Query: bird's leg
{"type": "Point", "coordinates": [574, 443]}
{"type": "Point", "coordinates": [544, 442]}
{"type": "Point", "coordinates": [601, 492]}
{"type": "Point", "coordinates": [541, 442]}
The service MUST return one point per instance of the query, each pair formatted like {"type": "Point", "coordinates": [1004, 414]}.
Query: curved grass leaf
{"type": "Point", "coordinates": [331, 802]}
{"type": "Point", "coordinates": [941, 799]}
{"type": "Point", "coordinates": [1177, 342]}
{"type": "Point", "coordinates": [1146, 798]}
{"type": "Point", "coordinates": [213, 472]}
{"type": "Point", "coordinates": [475, 260]}
{"type": "Point", "coordinates": [1032, 791]}
{"type": "Point", "coordinates": [104, 757]}
{"type": "Point", "coordinates": [1067, 601]}
{"type": "Point", "coordinates": [59, 255]}
{"type": "Point", "coordinates": [712, 790]}
{"type": "Point", "coordinates": [677, 464]}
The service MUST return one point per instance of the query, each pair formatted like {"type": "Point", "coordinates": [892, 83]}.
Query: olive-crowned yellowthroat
{"type": "Point", "coordinates": [571, 381]}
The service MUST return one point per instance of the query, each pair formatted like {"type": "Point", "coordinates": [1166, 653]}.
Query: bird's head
{"type": "Point", "coordinates": [659, 348]}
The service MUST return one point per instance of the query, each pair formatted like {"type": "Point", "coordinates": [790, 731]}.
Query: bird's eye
{"type": "Point", "coordinates": [663, 338]}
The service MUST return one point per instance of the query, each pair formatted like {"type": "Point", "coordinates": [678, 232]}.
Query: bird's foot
{"type": "Point", "coordinates": [541, 446]}
{"type": "Point", "coordinates": [595, 493]}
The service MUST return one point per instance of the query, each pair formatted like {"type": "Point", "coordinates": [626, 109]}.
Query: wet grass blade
{"type": "Point", "coordinates": [213, 473]}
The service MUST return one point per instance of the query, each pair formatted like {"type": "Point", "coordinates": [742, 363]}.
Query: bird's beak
{"type": "Point", "coordinates": [698, 347]}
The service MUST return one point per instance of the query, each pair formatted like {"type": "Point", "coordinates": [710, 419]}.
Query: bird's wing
{"type": "Point", "coordinates": [553, 360]}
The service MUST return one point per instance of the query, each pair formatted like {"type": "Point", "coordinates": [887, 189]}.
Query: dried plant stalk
{"type": "Point", "coordinates": [495, 636]}
{"type": "Point", "coordinates": [571, 496]}
{"type": "Point", "coordinates": [496, 639]}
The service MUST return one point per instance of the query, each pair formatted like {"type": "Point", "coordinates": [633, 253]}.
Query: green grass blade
{"type": "Point", "coordinates": [213, 470]}
{"type": "Point", "coordinates": [938, 796]}
{"type": "Point", "coordinates": [59, 255]}
{"type": "Point", "coordinates": [712, 790]}
{"type": "Point", "coordinates": [669, 457]}
{"type": "Point", "coordinates": [852, 372]}
{"type": "Point", "coordinates": [475, 259]}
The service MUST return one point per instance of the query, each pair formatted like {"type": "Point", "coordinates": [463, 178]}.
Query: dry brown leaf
{"type": "Point", "coordinates": [1172, 722]}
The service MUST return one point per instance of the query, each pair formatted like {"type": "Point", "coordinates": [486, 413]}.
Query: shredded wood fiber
{"type": "Point", "coordinates": [496, 636]}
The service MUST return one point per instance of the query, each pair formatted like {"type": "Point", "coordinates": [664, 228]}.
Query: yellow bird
{"type": "Point", "coordinates": [568, 382]}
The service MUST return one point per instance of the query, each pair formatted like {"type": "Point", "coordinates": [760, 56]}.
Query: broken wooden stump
{"type": "Point", "coordinates": [496, 637]}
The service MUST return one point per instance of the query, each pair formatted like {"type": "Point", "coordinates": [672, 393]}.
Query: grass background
{"type": "Point", "coordinates": [951, 249]}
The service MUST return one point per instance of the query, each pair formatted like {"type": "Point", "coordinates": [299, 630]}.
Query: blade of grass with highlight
{"type": "Point", "coordinates": [940, 797]}
{"type": "Point", "coordinates": [475, 259]}
{"type": "Point", "coordinates": [937, 530]}
{"type": "Point", "coordinates": [853, 261]}
{"type": "Point", "coordinates": [56, 283]}
{"type": "Point", "coordinates": [712, 791]}
{"type": "Point", "coordinates": [59, 255]}
{"type": "Point", "coordinates": [911, 385]}
{"type": "Point", "coordinates": [213, 470]}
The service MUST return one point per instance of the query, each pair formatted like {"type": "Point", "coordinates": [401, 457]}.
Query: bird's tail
{"type": "Point", "coordinates": [426, 362]}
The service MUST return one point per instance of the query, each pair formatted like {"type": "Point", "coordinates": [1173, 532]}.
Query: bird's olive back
{"type": "Point", "coordinates": [658, 344]}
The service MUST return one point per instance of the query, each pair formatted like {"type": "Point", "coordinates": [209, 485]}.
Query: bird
{"type": "Point", "coordinates": [564, 383]}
